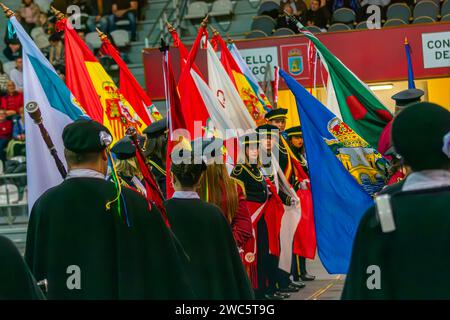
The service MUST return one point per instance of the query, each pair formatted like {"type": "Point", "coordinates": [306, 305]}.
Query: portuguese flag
{"type": "Point", "coordinates": [359, 107]}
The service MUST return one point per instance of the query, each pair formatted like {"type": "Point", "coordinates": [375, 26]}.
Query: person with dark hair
{"type": "Point", "coordinates": [155, 151]}
{"type": "Point", "coordinates": [408, 229]}
{"type": "Point", "coordinates": [13, 50]}
{"type": "Point", "coordinates": [317, 16]}
{"type": "Point", "coordinates": [56, 55]}
{"type": "Point", "coordinates": [89, 239]}
{"type": "Point", "coordinates": [29, 14]}
{"type": "Point", "coordinates": [283, 20]}
{"type": "Point", "coordinates": [17, 282]}
{"type": "Point", "coordinates": [12, 101]}
{"type": "Point", "coordinates": [215, 268]}
{"type": "Point", "coordinates": [16, 74]}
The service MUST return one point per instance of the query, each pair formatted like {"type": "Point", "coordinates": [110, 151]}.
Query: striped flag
{"type": "Point", "coordinates": [58, 108]}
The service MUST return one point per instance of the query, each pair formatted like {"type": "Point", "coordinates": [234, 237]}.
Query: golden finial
{"type": "Point", "coordinates": [229, 40]}
{"type": "Point", "coordinates": [170, 27]}
{"type": "Point", "coordinates": [59, 15]}
{"type": "Point", "coordinates": [101, 35]}
{"type": "Point", "coordinates": [9, 13]}
{"type": "Point", "coordinates": [205, 21]}
{"type": "Point", "coordinates": [406, 40]}
{"type": "Point", "coordinates": [214, 30]}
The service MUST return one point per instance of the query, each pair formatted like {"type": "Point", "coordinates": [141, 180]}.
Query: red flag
{"type": "Point", "coordinates": [129, 86]}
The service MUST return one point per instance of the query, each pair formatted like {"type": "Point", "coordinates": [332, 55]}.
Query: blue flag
{"type": "Point", "coordinates": [339, 200]}
{"type": "Point", "coordinates": [411, 84]}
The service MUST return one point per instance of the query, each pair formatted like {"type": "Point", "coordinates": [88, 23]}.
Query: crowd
{"type": "Point", "coordinates": [319, 12]}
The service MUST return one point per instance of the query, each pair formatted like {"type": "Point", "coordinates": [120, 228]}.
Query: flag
{"type": "Point", "coordinates": [251, 94]}
{"type": "Point", "coordinates": [130, 87]}
{"type": "Point", "coordinates": [94, 88]}
{"type": "Point", "coordinates": [58, 108]}
{"type": "Point", "coordinates": [411, 84]}
{"type": "Point", "coordinates": [359, 107]}
{"type": "Point", "coordinates": [196, 117]}
{"type": "Point", "coordinates": [339, 201]}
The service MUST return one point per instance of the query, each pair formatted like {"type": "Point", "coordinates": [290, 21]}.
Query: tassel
{"type": "Point", "coordinates": [11, 31]}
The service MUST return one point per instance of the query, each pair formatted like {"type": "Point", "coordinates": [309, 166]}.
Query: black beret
{"type": "Point", "coordinates": [294, 131]}
{"type": "Point", "coordinates": [249, 138]}
{"type": "Point", "coordinates": [84, 136]}
{"type": "Point", "coordinates": [408, 96]}
{"type": "Point", "coordinates": [418, 136]}
{"type": "Point", "coordinates": [268, 129]}
{"type": "Point", "coordinates": [276, 113]}
{"type": "Point", "coordinates": [125, 149]}
{"type": "Point", "coordinates": [156, 128]}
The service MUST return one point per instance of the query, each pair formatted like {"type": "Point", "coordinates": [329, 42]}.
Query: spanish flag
{"type": "Point", "coordinates": [93, 87]}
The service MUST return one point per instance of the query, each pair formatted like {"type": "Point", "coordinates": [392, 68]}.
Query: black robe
{"type": "Point", "coordinates": [215, 268]}
{"type": "Point", "coordinates": [419, 245]}
{"type": "Point", "coordinates": [16, 280]}
{"type": "Point", "coordinates": [69, 225]}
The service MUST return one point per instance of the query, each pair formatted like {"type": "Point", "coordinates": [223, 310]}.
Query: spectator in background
{"type": "Point", "coordinates": [29, 14]}
{"type": "Point", "coordinates": [13, 49]}
{"type": "Point", "coordinates": [12, 101]}
{"type": "Point", "coordinates": [124, 10]}
{"type": "Point", "coordinates": [317, 16]}
{"type": "Point", "coordinates": [90, 15]}
{"type": "Point", "coordinates": [16, 146]}
{"type": "Point", "coordinates": [283, 20]}
{"type": "Point", "coordinates": [362, 15]}
{"type": "Point", "coordinates": [56, 54]}
{"type": "Point", "coordinates": [299, 7]}
{"type": "Point", "coordinates": [18, 132]}
{"type": "Point", "coordinates": [4, 78]}
{"type": "Point", "coordinates": [16, 74]}
{"type": "Point", "coordinates": [5, 133]}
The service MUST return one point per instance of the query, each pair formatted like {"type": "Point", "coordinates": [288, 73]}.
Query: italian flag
{"type": "Point", "coordinates": [358, 106]}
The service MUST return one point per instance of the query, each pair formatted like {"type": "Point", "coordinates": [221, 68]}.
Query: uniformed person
{"type": "Point", "coordinates": [260, 254]}
{"type": "Point", "coordinates": [215, 268]}
{"type": "Point", "coordinates": [16, 280]}
{"type": "Point", "coordinates": [126, 164]}
{"type": "Point", "coordinates": [411, 220]}
{"type": "Point", "coordinates": [295, 140]}
{"type": "Point", "coordinates": [155, 151]}
{"type": "Point", "coordinates": [91, 240]}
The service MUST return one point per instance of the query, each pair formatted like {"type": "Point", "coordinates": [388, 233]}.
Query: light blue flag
{"type": "Point", "coordinates": [339, 200]}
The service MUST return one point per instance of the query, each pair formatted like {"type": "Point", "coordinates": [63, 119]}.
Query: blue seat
{"type": "Point", "coordinates": [426, 8]}
{"type": "Point", "coordinates": [264, 23]}
{"type": "Point", "coordinates": [339, 27]}
{"type": "Point", "coordinates": [399, 11]}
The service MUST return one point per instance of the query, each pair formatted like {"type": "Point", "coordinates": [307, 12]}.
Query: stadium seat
{"type": "Point", "coordinates": [44, 5]}
{"type": "Point", "coordinates": [339, 27]}
{"type": "Point", "coordinates": [8, 66]}
{"type": "Point", "coordinates": [426, 8]}
{"type": "Point", "coordinates": [445, 10]}
{"type": "Point", "coordinates": [256, 34]}
{"type": "Point", "coordinates": [394, 23]}
{"type": "Point", "coordinates": [121, 38]}
{"type": "Point", "coordinates": [197, 10]}
{"type": "Point", "coordinates": [221, 8]}
{"type": "Point", "coordinates": [446, 17]}
{"type": "Point", "coordinates": [94, 40]}
{"type": "Point", "coordinates": [9, 193]}
{"type": "Point", "coordinates": [362, 25]}
{"type": "Point", "coordinates": [122, 24]}
{"type": "Point", "coordinates": [314, 29]}
{"type": "Point", "coordinates": [424, 20]}
{"type": "Point", "coordinates": [264, 23]}
{"type": "Point", "coordinates": [283, 32]}
{"type": "Point", "coordinates": [399, 11]}
{"type": "Point", "coordinates": [343, 15]}
{"type": "Point", "coordinates": [269, 8]}
{"type": "Point", "coordinates": [437, 2]}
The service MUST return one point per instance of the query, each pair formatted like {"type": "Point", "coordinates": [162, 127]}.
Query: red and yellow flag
{"type": "Point", "coordinates": [94, 88]}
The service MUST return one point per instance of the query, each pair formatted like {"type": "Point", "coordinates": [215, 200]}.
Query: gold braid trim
{"type": "Point", "coordinates": [157, 167]}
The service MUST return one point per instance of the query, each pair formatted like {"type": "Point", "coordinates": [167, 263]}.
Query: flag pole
{"type": "Point", "coordinates": [9, 13]}
{"type": "Point", "coordinates": [35, 113]}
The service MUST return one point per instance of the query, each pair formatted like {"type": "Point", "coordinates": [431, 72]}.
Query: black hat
{"type": "Point", "coordinates": [84, 136]}
{"type": "Point", "coordinates": [294, 131]}
{"type": "Point", "coordinates": [276, 114]}
{"type": "Point", "coordinates": [267, 129]}
{"type": "Point", "coordinates": [408, 96]}
{"type": "Point", "coordinates": [249, 138]}
{"type": "Point", "coordinates": [156, 128]}
{"type": "Point", "coordinates": [418, 136]}
{"type": "Point", "coordinates": [125, 149]}
{"type": "Point", "coordinates": [207, 147]}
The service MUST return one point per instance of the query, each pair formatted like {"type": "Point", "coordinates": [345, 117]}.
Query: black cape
{"type": "Point", "coordinates": [69, 225]}
{"type": "Point", "coordinates": [419, 245]}
{"type": "Point", "coordinates": [16, 280]}
{"type": "Point", "coordinates": [215, 268]}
